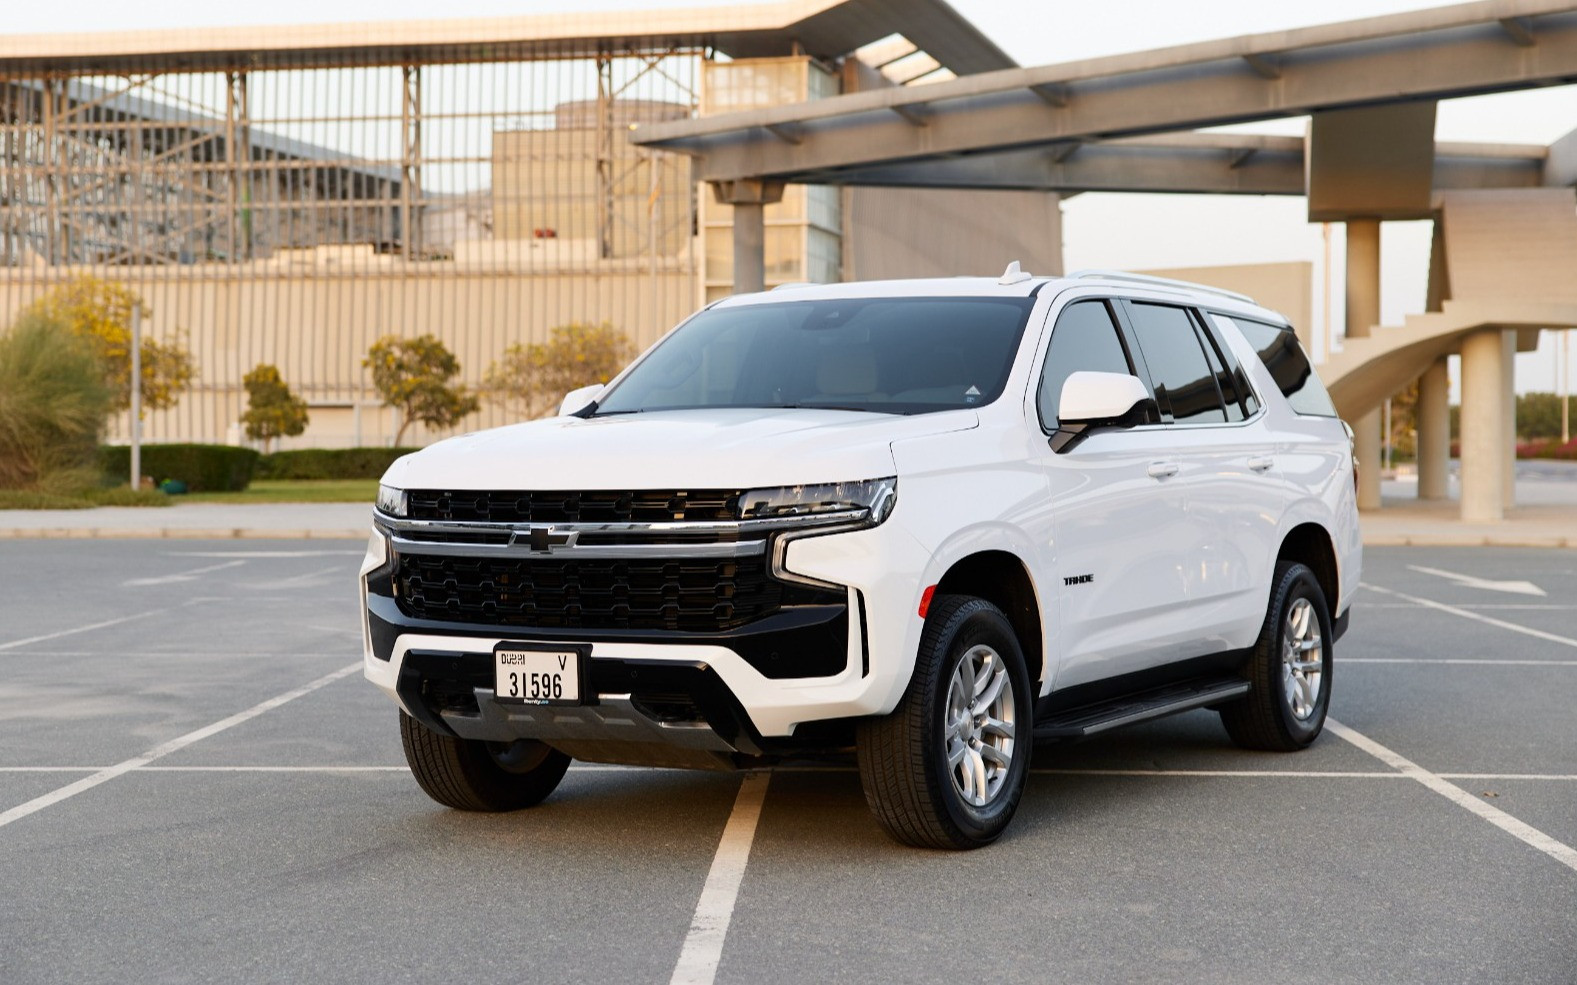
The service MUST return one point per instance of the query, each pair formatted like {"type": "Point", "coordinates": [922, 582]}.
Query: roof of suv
{"type": "Point", "coordinates": [1013, 284]}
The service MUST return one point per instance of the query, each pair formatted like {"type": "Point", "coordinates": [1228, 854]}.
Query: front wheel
{"type": "Point", "coordinates": [946, 769]}
{"type": "Point", "coordinates": [1290, 670]}
{"type": "Point", "coordinates": [480, 776]}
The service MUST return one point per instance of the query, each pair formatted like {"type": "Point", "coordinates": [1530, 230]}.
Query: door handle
{"type": "Point", "coordinates": [1261, 464]}
{"type": "Point", "coordinates": [1162, 470]}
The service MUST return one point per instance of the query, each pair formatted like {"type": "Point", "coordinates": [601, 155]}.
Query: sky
{"type": "Point", "coordinates": [1099, 230]}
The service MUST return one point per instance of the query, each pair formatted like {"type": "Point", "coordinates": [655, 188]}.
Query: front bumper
{"type": "Point", "coordinates": [662, 698]}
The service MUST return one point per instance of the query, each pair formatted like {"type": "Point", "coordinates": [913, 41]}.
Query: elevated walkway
{"type": "Point", "coordinates": [1503, 266]}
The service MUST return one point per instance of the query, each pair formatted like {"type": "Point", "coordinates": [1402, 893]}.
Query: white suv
{"type": "Point", "coordinates": [940, 521]}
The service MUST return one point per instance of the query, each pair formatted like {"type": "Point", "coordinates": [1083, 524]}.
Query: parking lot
{"type": "Point", "coordinates": [196, 785]}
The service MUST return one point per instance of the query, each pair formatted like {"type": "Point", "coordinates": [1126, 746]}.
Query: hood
{"type": "Point", "coordinates": [687, 449]}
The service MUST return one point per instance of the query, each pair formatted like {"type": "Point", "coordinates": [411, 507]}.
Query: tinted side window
{"type": "Point", "coordinates": [1279, 350]}
{"type": "Point", "coordinates": [1184, 382]}
{"type": "Point", "coordinates": [1084, 338]}
{"type": "Point", "coordinates": [1239, 396]}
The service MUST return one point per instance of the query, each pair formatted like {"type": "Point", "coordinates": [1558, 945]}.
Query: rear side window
{"type": "Point", "coordinates": [1084, 338]}
{"type": "Point", "coordinates": [1185, 384]}
{"type": "Point", "coordinates": [1239, 396]}
{"type": "Point", "coordinates": [1279, 350]}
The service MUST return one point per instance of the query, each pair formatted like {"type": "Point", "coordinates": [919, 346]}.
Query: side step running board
{"type": "Point", "coordinates": [1076, 723]}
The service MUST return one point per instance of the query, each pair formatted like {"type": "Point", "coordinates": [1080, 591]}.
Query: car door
{"type": "Point", "coordinates": [1227, 476]}
{"type": "Point", "coordinates": [1120, 533]}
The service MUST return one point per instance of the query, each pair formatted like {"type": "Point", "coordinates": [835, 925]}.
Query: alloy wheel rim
{"type": "Point", "coordinates": [979, 725]}
{"type": "Point", "coordinates": [1302, 660]}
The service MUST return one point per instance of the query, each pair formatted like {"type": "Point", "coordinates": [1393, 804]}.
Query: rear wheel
{"type": "Point", "coordinates": [1290, 671]}
{"type": "Point", "coordinates": [480, 776]}
{"type": "Point", "coordinates": [946, 769]}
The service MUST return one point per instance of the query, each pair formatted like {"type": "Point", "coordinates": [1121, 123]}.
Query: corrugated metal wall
{"type": "Point", "coordinates": [294, 216]}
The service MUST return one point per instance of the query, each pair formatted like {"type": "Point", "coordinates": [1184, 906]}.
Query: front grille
{"type": "Point", "coordinates": [596, 506]}
{"type": "Point", "coordinates": [697, 595]}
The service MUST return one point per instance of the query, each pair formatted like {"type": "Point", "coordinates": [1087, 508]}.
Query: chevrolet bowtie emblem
{"type": "Point", "coordinates": [543, 539]}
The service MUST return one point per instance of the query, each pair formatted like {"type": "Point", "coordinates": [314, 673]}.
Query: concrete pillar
{"type": "Point", "coordinates": [749, 197]}
{"type": "Point", "coordinates": [1508, 394]}
{"type": "Point", "coordinates": [1434, 432]}
{"type": "Point", "coordinates": [1363, 276]}
{"type": "Point", "coordinates": [1367, 447]}
{"type": "Point", "coordinates": [1363, 312]}
{"type": "Point", "coordinates": [1483, 426]}
{"type": "Point", "coordinates": [750, 245]}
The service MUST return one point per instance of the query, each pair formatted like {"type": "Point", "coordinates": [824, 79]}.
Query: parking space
{"type": "Point", "coordinates": [291, 845]}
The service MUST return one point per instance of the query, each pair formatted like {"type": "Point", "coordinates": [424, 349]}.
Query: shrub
{"type": "Point", "coordinates": [53, 402]}
{"type": "Point", "coordinates": [204, 468]}
{"type": "Point", "coordinates": [413, 375]}
{"type": "Point", "coordinates": [329, 463]}
{"type": "Point", "coordinates": [272, 410]}
{"type": "Point", "coordinates": [100, 313]}
{"type": "Point", "coordinates": [531, 380]}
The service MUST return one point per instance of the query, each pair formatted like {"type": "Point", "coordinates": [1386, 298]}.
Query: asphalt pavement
{"type": "Point", "coordinates": [196, 785]}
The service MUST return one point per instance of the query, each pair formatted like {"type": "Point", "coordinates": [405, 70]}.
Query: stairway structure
{"type": "Point", "coordinates": [1503, 267]}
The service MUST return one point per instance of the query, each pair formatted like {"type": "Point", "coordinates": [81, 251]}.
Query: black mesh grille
{"type": "Point", "coordinates": [698, 595]}
{"type": "Point", "coordinates": [599, 506]}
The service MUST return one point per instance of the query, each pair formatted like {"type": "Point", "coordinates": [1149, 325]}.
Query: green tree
{"type": "Point", "coordinates": [53, 403]}
{"type": "Point", "coordinates": [272, 410]}
{"type": "Point", "coordinates": [413, 375]}
{"type": "Point", "coordinates": [1539, 415]}
{"type": "Point", "coordinates": [531, 379]}
{"type": "Point", "coordinates": [100, 313]}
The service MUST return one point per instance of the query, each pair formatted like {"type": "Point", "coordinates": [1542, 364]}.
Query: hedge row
{"type": "Point", "coordinates": [329, 463]}
{"type": "Point", "coordinates": [204, 468]}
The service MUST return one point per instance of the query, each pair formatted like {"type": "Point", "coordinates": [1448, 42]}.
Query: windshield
{"type": "Point", "coordinates": [883, 355]}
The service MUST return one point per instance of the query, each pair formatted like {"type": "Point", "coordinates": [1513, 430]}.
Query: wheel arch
{"type": "Point", "coordinates": [1310, 544]}
{"type": "Point", "coordinates": [1002, 579]}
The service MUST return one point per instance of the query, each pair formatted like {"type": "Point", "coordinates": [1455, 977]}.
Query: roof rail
{"type": "Point", "coordinates": [1123, 275]}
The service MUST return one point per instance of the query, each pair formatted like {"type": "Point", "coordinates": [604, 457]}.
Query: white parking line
{"type": "Point", "coordinates": [1526, 833]}
{"type": "Point", "coordinates": [1465, 614]}
{"type": "Point", "coordinates": [179, 576]}
{"type": "Point", "coordinates": [703, 945]}
{"type": "Point", "coordinates": [80, 629]}
{"type": "Point", "coordinates": [1344, 661]}
{"type": "Point", "coordinates": [174, 745]}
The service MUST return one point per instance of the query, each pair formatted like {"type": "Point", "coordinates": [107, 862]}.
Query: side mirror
{"type": "Point", "coordinates": [578, 400]}
{"type": "Point", "coordinates": [1092, 401]}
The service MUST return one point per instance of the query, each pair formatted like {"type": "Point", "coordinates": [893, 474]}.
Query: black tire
{"type": "Point", "coordinates": [1273, 715]}
{"type": "Point", "coordinates": [904, 756]}
{"type": "Point", "coordinates": [480, 776]}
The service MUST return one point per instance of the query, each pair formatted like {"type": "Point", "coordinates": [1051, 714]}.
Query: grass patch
{"type": "Point", "coordinates": [127, 496]}
{"type": "Point", "coordinates": [27, 499]}
{"type": "Point", "coordinates": [293, 491]}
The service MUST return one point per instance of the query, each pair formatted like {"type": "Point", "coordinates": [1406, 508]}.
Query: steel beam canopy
{"type": "Point", "coordinates": [821, 28]}
{"type": "Point", "coordinates": [1190, 163]}
{"type": "Point", "coordinates": [1422, 55]}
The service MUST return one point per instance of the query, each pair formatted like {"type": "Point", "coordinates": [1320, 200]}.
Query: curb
{"type": "Point", "coordinates": [1467, 540]}
{"type": "Point", "coordinates": [177, 533]}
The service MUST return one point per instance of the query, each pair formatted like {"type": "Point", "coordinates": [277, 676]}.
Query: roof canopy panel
{"type": "Point", "coordinates": [824, 28]}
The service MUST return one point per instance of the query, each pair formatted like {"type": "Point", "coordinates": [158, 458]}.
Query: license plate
{"type": "Point", "coordinates": [537, 677]}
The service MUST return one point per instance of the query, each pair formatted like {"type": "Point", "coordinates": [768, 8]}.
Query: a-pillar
{"type": "Point", "coordinates": [1434, 432]}
{"type": "Point", "coordinates": [1363, 312]}
{"type": "Point", "coordinates": [1483, 425]}
{"type": "Point", "coordinates": [749, 197]}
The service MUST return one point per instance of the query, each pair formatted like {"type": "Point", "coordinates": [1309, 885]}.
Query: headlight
{"type": "Point", "coordinates": [391, 501]}
{"type": "Point", "coordinates": [876, 496]}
